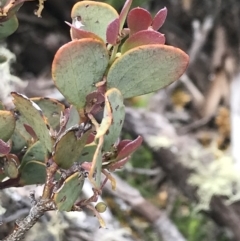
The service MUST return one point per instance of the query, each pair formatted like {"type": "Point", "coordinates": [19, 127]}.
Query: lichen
{"type": "Point", "coordinates": [219, 177]}
{"type": "Point", "coordinates": [8, 81]}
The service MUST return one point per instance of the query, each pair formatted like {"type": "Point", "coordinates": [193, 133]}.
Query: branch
{"type": "Point", "coordinates": [160, 221]}
{"type": "Point", "coordinates": [25, 224]}
{"type": "Point", "coordinates": [147, 124]}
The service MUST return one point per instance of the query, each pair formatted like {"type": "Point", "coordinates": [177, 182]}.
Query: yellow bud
{"type": "Point", "coordinates": [101, 207]}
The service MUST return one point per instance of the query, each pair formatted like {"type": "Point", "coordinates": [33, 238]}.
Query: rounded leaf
{"type": "Point", "coordinates": [35, 118]}
{"type": "Point", "coordinates": [138, 19]}
{"type": "Point", "coordinates": [146, 69]}
{"type": "Point", "coordinates": [94, 16]}
{"type": "Point", "coordinates": [34, 153]}
{"type": "Point", "coordinates": [7, 124]}
{"type": "Point", "coordinates": [69, 192]}
{"type": "Point", "coordinates": [143, 37]}
{"type": "Point", "coordinates": [87, 153]}
{"type": "Point", "coordinates": [8, 27]}
{"type": "Point", "coordinates": [51, 109]}
{"type": "Point", "coordinates": [77, 67]}
{"type": "Point", "coordinates": [77, 33]}
{"type": "Point", "coordinates": [34, 172]}
{"type": "Point", "coordinates": [69, 147]}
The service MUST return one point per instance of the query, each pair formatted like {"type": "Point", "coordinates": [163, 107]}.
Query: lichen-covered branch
{"type": "Point", "coordinates": [22, 226]}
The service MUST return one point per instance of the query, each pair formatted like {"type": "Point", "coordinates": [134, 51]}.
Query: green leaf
{"type": "Point", "coordinates": [7, 124]}
{"type": "Point", "coordinates": [20, 138]}
{"type": "Point", "coordinates": [36, 152]}
{"type": "Point", "coordinates": [146, 69]}
{"type": "Point", "coordinates": [8, 27]}
{"type": "Point", "coordinates": [87, 153]}
{"type": "Point", "coordinates": [51, 109]}
{"type": "Point", "coordinates": [77, 33]}
{"type": "Point", "coordinates": [93, 17]}
{"type": "Point", "coordinates": [115, 99]}
{"type": "Point", "coordinates": [34, 117]}
{"type": "Point", "coordinates": [74, 118]}
{"type": "Point", "coordinates": [66, 196]}
{"type": "Point", "coordinates": [77, 67]}
{"type": "Point", "coordinates": [33, 172]}
{"type": "Point", "coordinates": [11, 168]}
{"type": "Point", "coordinates": [69, 147]}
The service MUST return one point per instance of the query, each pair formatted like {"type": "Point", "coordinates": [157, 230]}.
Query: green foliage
{"type": "Point", "coordinates": [55, 145]}
{"type": "Point", "coordinates": [77, 67]}
{"type": "Point", "coordinates": [194, 226]}
{"type": "Point", "coordinates": [7, 124]}
{"type": "Point", "coordinates": [69, 192]}
{"type": "Point", "coordinates": [95, 17]}
{"type": "Point", "coordinates": [8, 27]}
{"type": "Point", "coordinates": [115, 99]}
{"type": "Point", "coordinates": [69, 146]}
{"type": "Point", "coordinates": [52, 110]}
{"type": "Point", "coordinates": [35, 118]}
{"type": "Point", "coordinates": [8, 19]}
{"type": "Point", "coordinates": [146, 69]}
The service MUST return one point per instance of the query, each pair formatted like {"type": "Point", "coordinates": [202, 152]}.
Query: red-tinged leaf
{"type": "Point", "coordinates": [30, 131]}
{"type": "Point", "coordinates": [93, 16]}
{"type": "Point", "coordinates": [35, 118]}
{"type": "Point", "coordinates": [118, 165]}
{"type": "Point", "coordinates": [94, 102]}
{"type": "Point", "coordinates": [143, 37]}
{"type": "Point", "coordinates": [77, 33]}
{"type": "Point", "coordinates": [124, 12]}
{"type": "Point", "coordinates": [159, 19]}
{"type": "Point", "coordinates": [129, 148]}
{"type": "Point", "coordinates": [90, 139]}
{"type": "Point", "coordinates": [122, 144]}
{"type": "Point", "coordinates": [77, 67]}
{"type": "Point", "coordinates": [112, 31]}
{"type": "Point", "coordinates": [138, 19]}
{"type": "Point", "coordinates": [4, 147]}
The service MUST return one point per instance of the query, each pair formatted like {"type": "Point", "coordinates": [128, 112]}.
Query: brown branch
{"type": "Point", "coordinates": [22, 226]}
{"type": "Point", "coordinates": [147, 124]}
{"type": "Point", "coordinates": [160, 221]}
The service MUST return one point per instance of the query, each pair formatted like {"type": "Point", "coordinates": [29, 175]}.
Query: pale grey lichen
{"type": "Point", "coordinates": [216, 177]}
{"type": "Point", "coordinates": [8, 82]}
